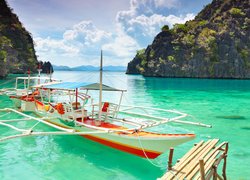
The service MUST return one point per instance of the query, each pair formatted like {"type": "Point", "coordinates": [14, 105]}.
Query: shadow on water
{"type": "Point", "coordinates": [70, 157]}
{"type": "Point", "coordinates": [246, 128]}
{"type": "Point", "coordinates": [109, 159]}
{"type": "Point", "coordinates": [231, 117]}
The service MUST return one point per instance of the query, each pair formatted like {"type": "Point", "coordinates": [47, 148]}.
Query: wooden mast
{"type": "Point", "coordinates": [100, 91]}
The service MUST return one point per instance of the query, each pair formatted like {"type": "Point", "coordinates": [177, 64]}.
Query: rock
{"type": "Point", "coordinates": [17, 53]}
{"type": "Point", "coordinates": [213, 45]}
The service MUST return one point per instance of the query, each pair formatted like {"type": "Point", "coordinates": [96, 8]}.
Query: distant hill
{"type": "Point", "coordinates": [61, 68]}
{"type": "Point", "coordinates": [89, 68]}
{"type": "Point", "coordinates": [17, 53]}
{"type": "Point", "coordinates": [216, 44]}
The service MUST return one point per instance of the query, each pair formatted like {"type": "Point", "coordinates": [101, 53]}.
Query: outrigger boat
{"type": "Point", "coordinates": [23, 90]}
{"type": "Point", "coordinates": [70, 109]}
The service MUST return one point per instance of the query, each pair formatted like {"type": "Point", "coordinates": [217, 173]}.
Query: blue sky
{"type": "Point", "coordinates": [72, 33]}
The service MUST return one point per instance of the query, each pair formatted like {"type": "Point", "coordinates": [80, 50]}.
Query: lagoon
{"type": "Point", "coordinates": [222, 103]}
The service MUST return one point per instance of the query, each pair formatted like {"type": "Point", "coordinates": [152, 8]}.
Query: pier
{"type": "Point", "coordinates": [200, 162]}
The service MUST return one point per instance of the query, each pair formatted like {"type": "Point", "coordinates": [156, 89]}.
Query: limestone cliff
{"type": "Point", "coordinates": [17, 53]}
{"type": "Point", "coordinates": [216, 44]}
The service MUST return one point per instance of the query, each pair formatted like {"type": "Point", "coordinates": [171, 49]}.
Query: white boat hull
{"type": "Point", "coordinates": [143, 144]}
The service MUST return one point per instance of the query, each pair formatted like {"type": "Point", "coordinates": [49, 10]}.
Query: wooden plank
{"type": "Point", "coordinates": [202, 169]}
{"type": "Point", "coordinates": [194, 163]}
{"type": "Point", "coordinates": [171, 174]}
{"type": "Point", "coordinates": [182, 161]}
{"type": "Point", "coordinates": [189, 167]}
{"type": "Point", "coordinates": [210, 160]}
{"type": "Point", "coordinates": [178, 168]}
{"type": "Point", "coordinates": [208, 165]}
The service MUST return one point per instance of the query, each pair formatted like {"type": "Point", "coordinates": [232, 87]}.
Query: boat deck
{"type": "Point", "coordinates": [200, 162]}
{"type": "Point", "coordinates": [104, 124]}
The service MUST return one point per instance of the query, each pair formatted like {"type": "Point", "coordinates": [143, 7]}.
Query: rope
{"type": "Point", "coordinates": [8, 81]}
{"type": "Point", "coordinates": [5, 114]}
{"type": "Point", "coordinates": [145, 153]}
{"type": "Point", "coordinates": [156, 165]}
{"type": "Point", "coordinates": [34, 125]}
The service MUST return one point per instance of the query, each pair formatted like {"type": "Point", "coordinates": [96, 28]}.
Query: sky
{"type": "Point", "coordinates": [72, 33]}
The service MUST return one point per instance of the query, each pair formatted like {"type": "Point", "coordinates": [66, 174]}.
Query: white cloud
{"type": "Point", "coordinates": [167, 3]}
{"type": "Point", "coordinates": [144, 19]}
{"type": "Point", "coordinates": [85, 39]}
{"type": "Point", "coordinates": [86, 32]}
{"type": "Point", "coordinates": [75, 46]}
{"type": "Point", "coordinates": [135, 28]}
{"type": "Point", "coordinates": [81, 36]}
{"type": "Point", "coordinates": [123, 46]}
{"type": "Point", "coordinates": [48, 44]}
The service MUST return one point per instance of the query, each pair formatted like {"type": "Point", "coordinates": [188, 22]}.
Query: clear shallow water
{"type": "Point", "coordinates": [222, 103]}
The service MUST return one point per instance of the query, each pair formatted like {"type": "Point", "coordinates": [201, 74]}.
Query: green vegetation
{"type": "Point", "coordinates": [237, 12]}
{"type": "Point", "coordinates": [162, 61]}
{"type": "Point", "coordinates": [141, 55]}
{"type": "Point", "coordinates": [171, 58]}
{"type": "Point", "coordinates": [176, 48]}
{"type": "Point", "coordinates": [194, 24]}
{"type": "Point", "coordinates": [188, 39]}
{"type": "Point", "coordinates": [215, 44]}
{"type": "Point", "coordinates": [244, 53]}
{"type": "Point", "coordinates": [152, 53]}
{"type": "Point", "coordinates": [16, 44]}
{"type": "Point", "coordinates": [3, 56]}
{"type": "Point", "coordinates": [180, 28]}
{"type": "Point", "coordinates": [165, 28]}
{"type": "Point", "coordinates": [141, 69]}
{"type": "Point", "coordinates": [206, 37]}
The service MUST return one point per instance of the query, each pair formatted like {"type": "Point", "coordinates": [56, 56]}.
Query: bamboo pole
{"type": "Point", "coordinates": [202, 170]}
{"type": "Point", "coordinates": [225, 162]}
{"type": "Point", "coordinates": [170, 158]}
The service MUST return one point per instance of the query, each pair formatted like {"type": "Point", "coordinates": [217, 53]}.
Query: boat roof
{"type": "Point", "coordinates": [96, 86]}
{"type": "Point", "coordinates": [36, 77]}
{"type": "Point", "coordinates": [63, 85]}
{"type": "Point", "coordinates": [75, 85]}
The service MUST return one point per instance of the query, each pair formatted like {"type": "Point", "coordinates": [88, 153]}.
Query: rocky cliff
{"type": "Point", "coordinates": [216, 44]}
{"type": "Point", "coordinates": [17, 53]}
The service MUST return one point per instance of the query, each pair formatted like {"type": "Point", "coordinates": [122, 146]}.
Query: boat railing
{"type": "Point", "coordinates": [125, 109]}
{"type": "Point", "coordinates": [106, 112]}
{"type": "Point", "coordinates": [7, 91]}
{"type": "Point", "coordinates": [130, 130]}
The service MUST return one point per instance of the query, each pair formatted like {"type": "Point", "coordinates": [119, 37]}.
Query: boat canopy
{"type": "Point", "coordinates": [96, 86]}
{"type": "Point", "coordinates": [64, 85]}
{"type": "Point", "coordinates": [29, 78]}
{"type": "Point", "coordinates": [75, 85]}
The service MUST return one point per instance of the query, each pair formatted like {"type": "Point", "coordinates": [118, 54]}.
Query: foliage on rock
{"type": "Point", "coordinates": [17, 53]}
{"type": "Point", "coordinates": [213, 45]}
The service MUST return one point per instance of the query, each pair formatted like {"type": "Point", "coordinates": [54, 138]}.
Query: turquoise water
{"type": "Point", "coordinates": [222, 103]}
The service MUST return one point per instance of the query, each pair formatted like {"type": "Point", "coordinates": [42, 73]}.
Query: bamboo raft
{"type": "Point", "coordinates": [200, 162]}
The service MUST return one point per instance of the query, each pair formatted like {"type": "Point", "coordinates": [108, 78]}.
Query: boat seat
{"type": "Point", "coordinates": [109, 110]}
{"type": "Point", "coordinates": [199, 163]}
{"type": "Point", "coordinates": [76, 105]}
